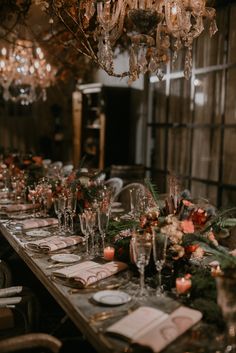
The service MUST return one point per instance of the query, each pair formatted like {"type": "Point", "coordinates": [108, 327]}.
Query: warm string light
{"type": "Point", "coordinates": [24, 72]}
{"type": "Point", "coordinates": [154, 31]}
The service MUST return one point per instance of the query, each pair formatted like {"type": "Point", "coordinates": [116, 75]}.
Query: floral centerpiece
{"type": "Point", "coordinates": [86, 185]}
{"type": "Point", "coordinates": [182, 220]}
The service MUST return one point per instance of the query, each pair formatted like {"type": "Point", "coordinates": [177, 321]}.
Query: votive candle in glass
{"type": "Point", "coordinates": [183, 285]}
{"type": "Point", "coordinates": [109, 253]}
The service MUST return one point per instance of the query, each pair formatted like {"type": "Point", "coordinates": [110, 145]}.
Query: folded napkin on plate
{"type": "Point", "coordinates": [89, 272]}
{"type": "Point", "coordinates": [38, 222]}
{"type": "Point", "coordinates": [53, 243]}
{"type": "Point", "coordinates": [18, 207]}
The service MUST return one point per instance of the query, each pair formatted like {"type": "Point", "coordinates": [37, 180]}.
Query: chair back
{"type": "Point", "coordinates": [124, 195]}
{"type": "Point", "coordinates": [115, 184]}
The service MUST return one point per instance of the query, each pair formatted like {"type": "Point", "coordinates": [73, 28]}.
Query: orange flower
{"type": "Point", "coordinates": [187, 226]}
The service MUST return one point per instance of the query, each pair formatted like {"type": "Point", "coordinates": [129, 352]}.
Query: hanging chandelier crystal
{"type": "Point", "coordinates": [153, 31]}
{"type": "Point", "coordinates": [24, 72]}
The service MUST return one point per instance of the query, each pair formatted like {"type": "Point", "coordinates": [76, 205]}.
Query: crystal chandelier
{"type": "Point", "coordinates": [24, 72]}
{"type": "Point", "coordinates": [153, 31]}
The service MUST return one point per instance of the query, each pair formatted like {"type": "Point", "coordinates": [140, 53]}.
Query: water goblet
{"type": "Point", "coordinates": [141, 245]}
{"type": "Point", "coordinates": [159, 244]}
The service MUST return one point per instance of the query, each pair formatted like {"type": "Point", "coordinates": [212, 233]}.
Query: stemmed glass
{"type": "Point", "coordinates": [103, 221]}
{"type": "Point", "coordinates": [91, 224]}
{"type": "Point", "coordinates": [71, 209]}
{"type": "Point", "coordinates": [159, 243]}
{"type": "Point", "coordinates": [85, 230]}
{"type": "Point", "coordinates": [59, 206]}
{"type": "Point", "coordinates": [33, 197]}
{"type": "Point", "coordinates": [141, 245]}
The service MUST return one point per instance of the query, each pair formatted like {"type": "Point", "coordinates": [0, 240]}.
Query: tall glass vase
{"type": "Point", "coordinates": [226, 299]}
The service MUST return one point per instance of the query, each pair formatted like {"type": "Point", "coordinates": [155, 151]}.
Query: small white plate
{"type": "Point", "coordinates": [117, 210]}
{"type": "Point", "coordinates": [66, 258]}
{"type": "Point", "coordinates": [38, 233]}
{"type": "Point", "coordinates": [111, 297]}
{"type": "Point", "coordinates": [116, 204]}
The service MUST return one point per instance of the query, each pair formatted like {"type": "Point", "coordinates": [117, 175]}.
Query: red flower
{"type": "Point", "coordinates": [199, 216]}
{"type": "Point", "coordinates": [191, 248]}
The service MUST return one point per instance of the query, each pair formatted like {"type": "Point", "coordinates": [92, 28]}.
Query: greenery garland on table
{"type": "Point", "coordinates": [209, 223]}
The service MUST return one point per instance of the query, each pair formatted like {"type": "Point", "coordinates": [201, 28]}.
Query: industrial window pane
{"type": "Point", "coordinates": [230, 103]}
{"type": "Point", "coordinates": [159, 103]}
{"type": "Point", "coordinates": [229, 197]}
{"type": "Point", "coordinates": [207, 98]}
{"type": "Point", "coordinates": [159, 149]}
{"type": "Point", "coordinates": [178, 150]}
{"type": "Point", "coordinates": [209, 192]}
{"type": "Point", "coordinates": [229, 157]}
{"type": "Point", "coordinates": [179, 101]}
{"type": "Point", "coordinates": [206, 153]}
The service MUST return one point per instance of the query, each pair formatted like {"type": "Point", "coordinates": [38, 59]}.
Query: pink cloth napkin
{"type": "Point", "coordinates": [89, 272]}
{"type": "Point", "coordinates": [38, 222]}
{"type": "Point", "coordinates": [53, 243]}
{"type": "Point", "coordinates": [18, 207]}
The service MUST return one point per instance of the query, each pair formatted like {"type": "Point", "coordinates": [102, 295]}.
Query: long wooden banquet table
{"type": "Point", "coordinates": [78, 303]}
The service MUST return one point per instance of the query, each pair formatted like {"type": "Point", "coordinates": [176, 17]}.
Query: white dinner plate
{"type": "Point", "coordinates": [38, 233]}
{"type": "Point", "coordinates": [117, 210]}
{"type": "Point", "coordinates": [111, 297]}
{"type": "Point", "coordinates": [66, 258]}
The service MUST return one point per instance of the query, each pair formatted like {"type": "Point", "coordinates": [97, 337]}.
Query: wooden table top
{"type": "Point", "coordinates": [77, 303]}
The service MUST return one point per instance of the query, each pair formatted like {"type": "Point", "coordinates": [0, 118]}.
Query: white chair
{"type": "Point", "coordinates": [124, 195]}
{"type": "Point", "coordinates": [67, 170]}
{"type": "Point", "coordinates": [31, 342]}
{"type": "Point", "coordinates": [115, 184]}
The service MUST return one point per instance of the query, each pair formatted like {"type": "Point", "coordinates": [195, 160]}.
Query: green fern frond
{"type": "Point", "coordinates": [153, 190]}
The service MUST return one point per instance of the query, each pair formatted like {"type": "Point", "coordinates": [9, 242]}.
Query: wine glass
{"type": "Point", "coordinates": [141, 245]}
{"type": "Point", "coordinates": [71, 209]}
{"type": "Point", "coordinates": [159, 244]}
{"type": "Point", "coordinates": [85, 230]}
{"type": "Point", "coordinates": [91, 217]}
{"type": "Point", "coordinates": [33, 197]}
{"type": "Point", "coordinates": [59, 206]}
{"type": "Point", "coordinates": [103, 221]}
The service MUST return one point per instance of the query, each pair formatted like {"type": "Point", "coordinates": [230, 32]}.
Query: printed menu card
{"type": "Point", "coordinates": [151, 327]}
